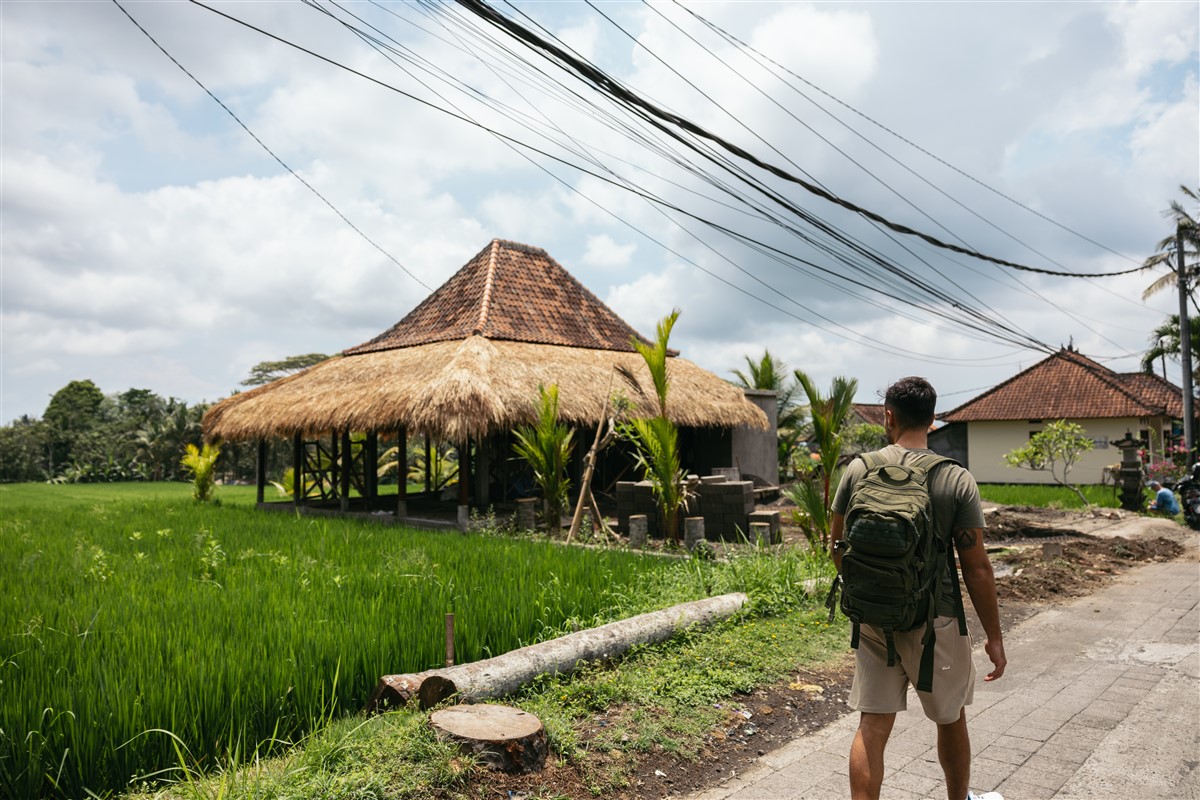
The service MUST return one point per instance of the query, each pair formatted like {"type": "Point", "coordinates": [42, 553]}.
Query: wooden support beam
{"type": "Point", "coordinates": [344, 475]}
{"type": "Point", "coordinates": [428, 468]}
{"type": "Point", "coordinates": [260, 470]}
{"type": "Point", "coordinates": [402, 472]}
{"type": "Point", "coordinates": [371, 468]}
{"type": "Point", "coordinates": [298, 470]}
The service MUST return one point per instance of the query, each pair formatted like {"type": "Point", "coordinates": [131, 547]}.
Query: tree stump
{"type": "Point", "coordinates": [502, 738]}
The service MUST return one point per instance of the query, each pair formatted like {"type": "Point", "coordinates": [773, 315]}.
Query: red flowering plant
{"type": "Point", "coordinates": [1167, 468]}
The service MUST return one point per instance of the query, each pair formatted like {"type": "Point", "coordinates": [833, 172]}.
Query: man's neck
{"type": "Point", "coordinates": [913, 439]}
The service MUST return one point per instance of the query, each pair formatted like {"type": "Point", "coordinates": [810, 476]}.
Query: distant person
{"type": "Point", "coordinates": [1164, 500]}
{"type": "Point", "coordinates": [879, 691]}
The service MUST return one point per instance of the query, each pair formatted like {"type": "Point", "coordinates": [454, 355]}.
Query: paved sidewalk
{"type": "Point", "coordinates": [1101, 699]}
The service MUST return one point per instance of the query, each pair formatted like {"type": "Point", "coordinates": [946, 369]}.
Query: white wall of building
{"type": "Point", "coordinates": [987, 442]}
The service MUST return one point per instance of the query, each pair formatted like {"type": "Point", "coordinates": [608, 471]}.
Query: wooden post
{"type": "Point", "coordinates": [297, 470]}
{"type": "Point", "coordinates": [344, 475]}
{"type": "Point", "coordinates": [334, 463]}
{"type": "Point", "coordinates": [450, 640]}
{"type": "Point", "coordinates": [260, 471]}
{"type": "Point", "coordinates": [428, 465]}
{"type": "Point", "coordinates": [464, 473]}
{"type": "Point", "coordinates": [402, 472]}
{"type": "Point", "coordinates": [371, 468]}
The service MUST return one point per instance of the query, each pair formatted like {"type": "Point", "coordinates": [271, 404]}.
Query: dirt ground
{"type": "Point", "coordinates": [1031, 573]}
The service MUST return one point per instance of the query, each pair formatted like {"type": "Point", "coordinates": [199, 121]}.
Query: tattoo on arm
{"type": "Point", "coordinates": [965, 539]}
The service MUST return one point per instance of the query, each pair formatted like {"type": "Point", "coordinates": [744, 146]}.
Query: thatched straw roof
{"type": "Point", "coordinates": [422, 378]}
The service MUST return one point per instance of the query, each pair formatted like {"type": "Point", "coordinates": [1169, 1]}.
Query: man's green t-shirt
{"type": "Point", "coordinates": [953, 493]}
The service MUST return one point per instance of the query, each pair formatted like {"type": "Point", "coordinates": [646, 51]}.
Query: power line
{"type": "Point", "coordinates": [673, 123]}
{"type": "Point", "coordinates": [270, 152]}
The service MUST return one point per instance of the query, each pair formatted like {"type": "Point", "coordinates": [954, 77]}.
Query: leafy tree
{"type": "Point", "coordinates": [73, 410]}
{"type": "Point", "coordinates": [864, 437]}
{"type": "Point", "coordinates": [656, 440]}
{"type": "Point", "coordinates": [769, 373]}
{"type": "Point", "coordinates": [1056, 448]}
{"type": "Point", "coordinates": [546, 447]}
{"type": "Point", "coordinates": [829, 414]}
{"type": "Point", "coordinates": [1188, 225]}
{"type": "Point", "coordinates": [267, 371]}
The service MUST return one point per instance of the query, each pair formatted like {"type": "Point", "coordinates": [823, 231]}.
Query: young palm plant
{"type": "Point", "coordinates": [202, 464]}
{"type": "Point", "coordinates": [546, 447]}
{"type": "Point", "coordinates": [829, 421]}
{"type": "Point", "coordinates": [656, 440]}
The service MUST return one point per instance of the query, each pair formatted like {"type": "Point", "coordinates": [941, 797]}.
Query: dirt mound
{"type": "Point", "coordinates": [1082, 567]}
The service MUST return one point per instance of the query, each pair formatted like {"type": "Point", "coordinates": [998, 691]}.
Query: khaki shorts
{"type": "Point", "coordinates": [880, 689]}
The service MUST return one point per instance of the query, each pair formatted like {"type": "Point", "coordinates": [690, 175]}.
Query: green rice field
{"type": "Point", "coordinates": [129, 611]}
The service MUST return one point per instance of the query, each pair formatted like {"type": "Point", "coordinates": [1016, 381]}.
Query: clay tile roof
{"type": "Point", "coordinates": [870, 413]}
{"type": "Point", "coordinates": [509, 292]}
{"type": "Point", "coordinates": [1068, 385]}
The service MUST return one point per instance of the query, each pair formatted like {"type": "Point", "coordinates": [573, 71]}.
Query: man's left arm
{"type": "Point", "coordinates": [981, 586]}
{"type": "Point", "coordinates": [837, 528]}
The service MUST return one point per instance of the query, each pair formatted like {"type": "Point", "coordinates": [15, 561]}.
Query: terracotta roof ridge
{"type": "Point", "coordinates": [485, 304]}
{"type": "Point", "coordinates": [1112, 379]}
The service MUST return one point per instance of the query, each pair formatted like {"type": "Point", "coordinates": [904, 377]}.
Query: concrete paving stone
{"type": "Point", "coordinates": [1026, 731]}
{"type": "Point", "coordinates": [829, 788]}
{"type": "Point", "coordinates": [1078, 736]}
{"type": "Point", "coordinates": [715, 793]}
{"type": "Point", "coordinates": [1048, 780]}
{"type": "Point", "coordinates": [791, 752]}
{"type": "Point", "coordinates": [788, 784]}
{"type": "Point", "coordinates": [1005, 754]}
{"type": "Point", "coordinates": [1146, 671]}
{"type": "Point", "coordinates": [1092, 720]}
{"type": "Point", "coordinates": [1109, 708]}
{"type": "Point", "coordinates": [1014, 789]}
{"type": "Point", "coordinates": [1125, 694]}
{"type": "Point", "coordinates": [991, 720]}
{"type": "Point", "coordinates": [988, 772]}
{"type": "Point", "coordinates": [911, 782]}
{"type": "Point", "coordinates": [1017, 743]}
{"type": "Point", "coordinates": [925, 767]}
{"type": "Point", "coordinates": [822, 761]}
{"type": "Point", "coordinates": [838, 744]}
{"type": "Point", "coordinates": [912, 747]}
{"type": "Point", "coordinates": [1062, 753]}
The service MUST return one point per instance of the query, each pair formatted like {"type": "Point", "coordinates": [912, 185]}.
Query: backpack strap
{"type": "Point", "coordinates": [889, 635]}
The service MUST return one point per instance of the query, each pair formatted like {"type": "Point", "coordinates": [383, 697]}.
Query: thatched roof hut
{"type": "Point", "coordinates": [468, 360]}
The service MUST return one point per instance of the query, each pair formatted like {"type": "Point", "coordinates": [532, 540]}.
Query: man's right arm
{"type": "Point", "coordinates": [981, 586]}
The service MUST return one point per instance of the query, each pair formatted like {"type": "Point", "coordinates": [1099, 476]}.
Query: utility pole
{"type": "Point", "coordinates": [1185, 352]}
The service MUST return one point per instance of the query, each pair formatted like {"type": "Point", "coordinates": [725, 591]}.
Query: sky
{"type": "Point", "coordinates": [148, 240]}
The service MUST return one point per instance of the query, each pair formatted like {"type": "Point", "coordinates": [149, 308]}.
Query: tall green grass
{"type": "Point", "coordinates": [128, 612]}
{"type": "Point", "coordinates": [1044, 496]}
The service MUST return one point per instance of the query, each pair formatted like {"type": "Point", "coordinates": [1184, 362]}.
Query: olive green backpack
{"type": "Point", "coordinates": [892, 558]}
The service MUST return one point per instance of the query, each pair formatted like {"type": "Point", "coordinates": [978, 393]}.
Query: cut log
{"type": "Point", "coordinates": [501, 738]}
{"type": "Point", "coordinates": [505, 674]}
{"type": "Point", "coordinates": [394, 691]}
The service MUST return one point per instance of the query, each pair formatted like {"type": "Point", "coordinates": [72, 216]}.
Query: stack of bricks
{"type": "Point", "coordinates": [725, 505]}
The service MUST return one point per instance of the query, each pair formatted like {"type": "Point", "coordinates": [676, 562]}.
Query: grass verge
{"type": "Point", "coordinates": [1024, 494]}
{"type": "Point", "coordinates": [600, 722]}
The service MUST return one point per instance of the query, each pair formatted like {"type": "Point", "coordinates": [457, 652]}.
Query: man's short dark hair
{"type": "Point", "coordinates": [911, 401]}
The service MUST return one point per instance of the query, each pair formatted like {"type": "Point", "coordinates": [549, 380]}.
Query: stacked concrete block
{"type": "Point", "coordinates": [771, 518]}
{"type": "Point", "coordinates": [724, 505]}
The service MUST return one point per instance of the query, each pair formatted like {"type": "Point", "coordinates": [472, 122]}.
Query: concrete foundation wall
{"type": "Point", "coordinates": [756, 452]}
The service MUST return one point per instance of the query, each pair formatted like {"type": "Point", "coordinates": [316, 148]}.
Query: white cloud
{"type": "Point", "coordinates": [602, 251]}
{"type": "Point", "coordinates": [147, 240]}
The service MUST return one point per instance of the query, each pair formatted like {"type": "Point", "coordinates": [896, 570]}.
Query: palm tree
{"type": "Point", "coordinates": [656, 440]}
{"type": "Point", "coordinates": [769, 373]}
{"type": "Point", "coordinates": [829, 415]}
{"type": "Point", "coordinates": [546, 447]}
{"type": "Point", "coordinates": [1189, 227]}
{"type": "Point", "coordinates": [1164, 343]}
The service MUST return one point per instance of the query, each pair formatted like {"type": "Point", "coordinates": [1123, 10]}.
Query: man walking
{"type": "Point", "coordinates": [879, 691]}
